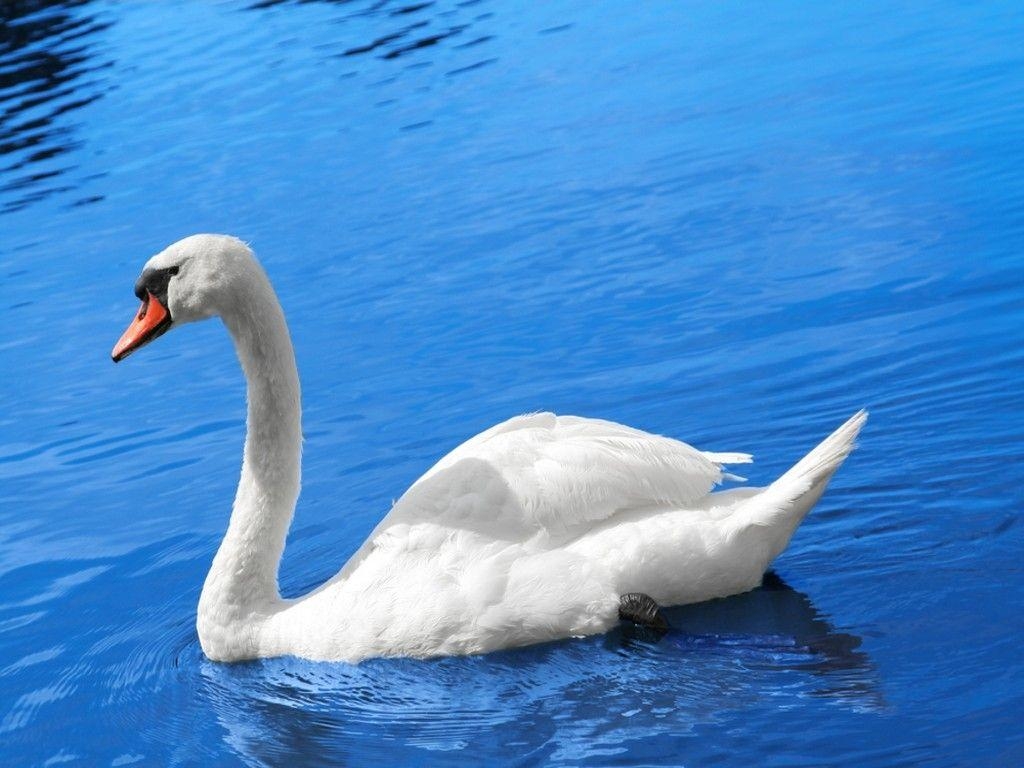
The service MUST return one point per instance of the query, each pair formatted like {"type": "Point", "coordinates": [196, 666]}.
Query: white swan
{"type": "Point", "coordinates": [542, 527]}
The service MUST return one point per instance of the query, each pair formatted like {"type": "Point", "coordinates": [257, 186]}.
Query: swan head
{"type": "Point", "coordinates": [196, 278]}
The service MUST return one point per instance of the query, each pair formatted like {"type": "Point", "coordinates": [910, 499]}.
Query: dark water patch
{"type": "Point", "coordinates": [49, 70]}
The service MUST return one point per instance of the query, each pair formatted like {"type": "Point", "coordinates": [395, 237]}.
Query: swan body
{"type": "Point", "coordinates": [530, 531]}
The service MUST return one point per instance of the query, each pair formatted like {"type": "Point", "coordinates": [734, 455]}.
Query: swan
{"type": "Point", "coordinates": [540, 528]}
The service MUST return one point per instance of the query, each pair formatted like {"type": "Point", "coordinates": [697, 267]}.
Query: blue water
{"type": "Point", "coordinates": [729, 224]}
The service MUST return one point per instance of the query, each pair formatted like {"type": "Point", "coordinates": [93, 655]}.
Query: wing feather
{"type": "Point", "coordinates": [552, 477]}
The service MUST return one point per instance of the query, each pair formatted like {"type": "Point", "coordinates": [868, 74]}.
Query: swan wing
{"type": "Point", "coordinates": [550, 478]}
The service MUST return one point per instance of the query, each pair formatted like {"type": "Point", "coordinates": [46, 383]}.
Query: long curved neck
{"type": "Point", "coordinates": [242, 582]}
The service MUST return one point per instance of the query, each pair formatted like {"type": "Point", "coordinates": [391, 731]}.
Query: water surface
{"type": "Point", "coordinates": [732, 227]}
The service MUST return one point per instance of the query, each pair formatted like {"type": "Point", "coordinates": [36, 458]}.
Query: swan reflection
{"type": "Point", "coordinates": [778, 627]}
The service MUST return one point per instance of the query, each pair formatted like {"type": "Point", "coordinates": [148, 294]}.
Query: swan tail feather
{"type": "Point", "coordinates": [784, 503]}
{"type": "Point", "coordinates": [824, 460]}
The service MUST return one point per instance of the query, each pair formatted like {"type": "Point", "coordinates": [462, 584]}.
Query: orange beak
{"type": "Point", "coordinates": [152, 320]}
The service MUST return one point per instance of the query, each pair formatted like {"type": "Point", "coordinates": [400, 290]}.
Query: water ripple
{"type": "Point", "coordinates": [47, 72]}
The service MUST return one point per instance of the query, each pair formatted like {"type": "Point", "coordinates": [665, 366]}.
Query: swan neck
{"type": "Point", "coordinates": [242, 582]}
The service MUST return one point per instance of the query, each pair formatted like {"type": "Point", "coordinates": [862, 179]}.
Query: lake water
{"type": "Point", "coordinates": [728, 224]}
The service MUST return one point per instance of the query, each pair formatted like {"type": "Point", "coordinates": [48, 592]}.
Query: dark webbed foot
{"type": "Point", "coordinates": [640, 609]}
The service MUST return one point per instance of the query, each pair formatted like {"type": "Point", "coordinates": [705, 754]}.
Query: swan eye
{"type": "Point", "coordinates": [155, 281]}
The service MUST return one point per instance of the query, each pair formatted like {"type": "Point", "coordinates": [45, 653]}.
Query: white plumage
{"type": "Point", "coordinates": [530, 531]}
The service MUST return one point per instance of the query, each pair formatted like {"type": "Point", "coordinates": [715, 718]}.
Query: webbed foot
{"type": "Point", "coordinates": [640, 609]}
